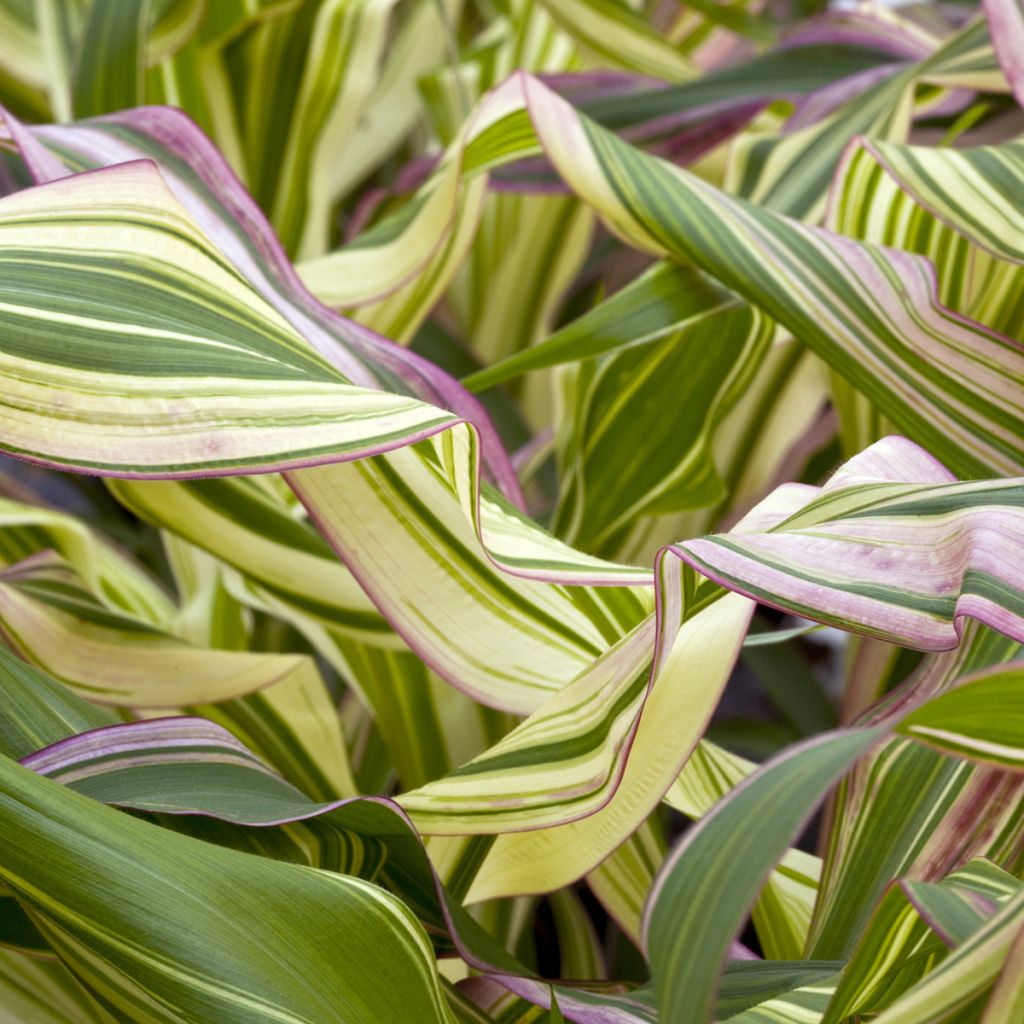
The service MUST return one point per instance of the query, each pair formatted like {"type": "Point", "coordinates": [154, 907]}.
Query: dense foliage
{"type": "Point", "coordinates": [515, 512]}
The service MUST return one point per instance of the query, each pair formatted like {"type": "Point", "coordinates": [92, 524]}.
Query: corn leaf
{"type": "Point", "coordinates": [186, 941]}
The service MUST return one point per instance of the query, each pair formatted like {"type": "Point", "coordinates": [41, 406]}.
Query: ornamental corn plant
{"type": "Point", "coordinates": [512, 511]}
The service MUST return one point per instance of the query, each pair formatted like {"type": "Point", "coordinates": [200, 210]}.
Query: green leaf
{"type": "Point", "coordinates": [183, 939]}
{"type": "Point", "coordinates": [963, 975]}
{"type": "Point", "coordinates": [653, 305]}
{"type": "Point", "coordinates": [900, 945]}
{"type": "Point", "coordinates": [977, 720]}
{"type": "Point", "coordinates": [37, 710]}
{"type": "Point", "coordinates": [670, 395]}
{"type": "Point", "coordinates": [909, 812]}
{"type": "Point", "coordinates": [108, 68]}
{"type": "Point", "coordinates": [44, 992]}
{"type": "Point", "coordinates": [709, 881]}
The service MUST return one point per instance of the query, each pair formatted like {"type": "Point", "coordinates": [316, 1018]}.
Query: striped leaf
{"type": "Point", "coordinates": [500, 519]}
{"type": "Point", "coordinates": [391, 255]}
{"type": "Point", "coordinates": [908, 347]}
{"type": "Point", "coordinates": [907, 199]}
{"type": "Point", "coordinates": [976, 720]}
{"type": "Point", "coordinates": [899, 945]}
{"type": "Point", "coordinates": [347, 41]}
{"type": "Point", "coordinates": [112, 577]}
{"type": "Point", "coordinates": [397, 518]}
{"type": "Point", "coordinates": [1006, 25]}
{"type": "Point", "coordinates": [187, 767]}
{"type": "Point", "coordinates": [419, 42]}
{"type": "Point", "coordinates": [201, 781]}
{"type": "Point", "coordinates": [756, 986]}
{"type": "Point", "coordinates": [579, 945]}
{"type": "Point", "coordinates": [820, 270]}
{"type": "Point", "coordinates": [619, 403]}
{"type": "Point", "coordinates": [205, 184]}
{"type": "Point", "coordinates": [783, 911]}
{"type": "Point", "coordinates": [428, 727]}
{"type": "Point", "coordinates": [951, 812]}
{"type": "Point", "coordinates": [948, 811]}
{"type": "Point", "coordinates": [728, 854]}
{"type": "Point", "coordinates": [900, 197]}
{"type": "Point", "coordinates": [1007, 999]}
{"type": "Point", "coordinates": [938, 181]}
{"type": "Point", "coordinates": [546, 859]}
{"type": "Point", "coordinates": [654, 305]}
{"type": "Point", "coordinates": [615, 668]}
{"type": "Point", "coordinates": [294, 725]}
{"type": "Point", "coordinates": [276, 702]}
{"type": "Point", "coordinates": [569, 759]}
{"type": "Point", "coordinates": [179, 766]}
{"type": "Point", "coordinates": [184, 941]}
{"type": "Point", "coordinates": [793, 1007]}
{"type": "Point", "coordinates": [622, 880]}
{"type": "Point", "coordinates": [108, 68]}
{"type": "Point", "coordinates": [54, 622]}
{"type": "Point", "coordinates": [861, 552]}
{"type": "Point", "coordinates": [964, 975]}
{"type": "Point", "coordinates": [830, 54]}
{"type": "Point", "coordinates": [192, 767]}
{"type": "Point", "coordinates": [38, 991]}
{"type": "Point", "coordinates": [790, 171]}
{"type": "Point", "coordinates": [37, 711]}
{"type": "Point", "coordinates": [637, 45]}
{"type": "Point", "coordinates": [251, 528]}
{"type": "Point", "coordinates": [253, 347]}
{"type": "Point", "coordinates": [488, 1001]}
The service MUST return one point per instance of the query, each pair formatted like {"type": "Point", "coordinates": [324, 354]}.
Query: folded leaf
{"type": "Point", "coordinates": [892, 547]}
{"type": "Point", "coordinates": [185, 941]}
{"type": "Point", "coordinates": [572, 757]}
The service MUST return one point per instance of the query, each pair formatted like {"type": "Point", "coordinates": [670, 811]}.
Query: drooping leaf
{"type": "Point", "coordinates": [53, 621]}
{"type": "Point", "coordinates": [858, 546]}
{"type": "Point", "coordinates": [185, 940]}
